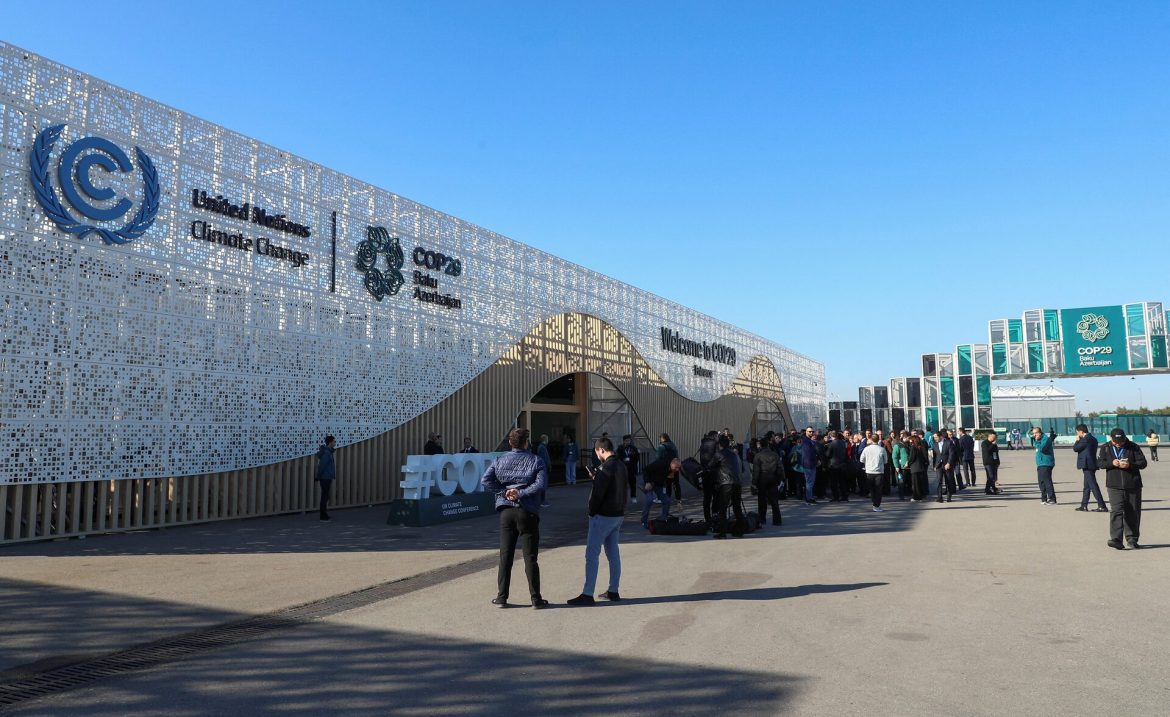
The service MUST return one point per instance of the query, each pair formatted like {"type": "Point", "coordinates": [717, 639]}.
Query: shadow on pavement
{"type": "Point", "coordinates": [774, 593]}
{"type": "Point", "coordinates": [49, 625]}
{"type": "Point", "coordinates": [322, 668]}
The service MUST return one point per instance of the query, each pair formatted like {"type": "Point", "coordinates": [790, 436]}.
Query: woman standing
{"type": "Point", "coordinates": [916, 463]}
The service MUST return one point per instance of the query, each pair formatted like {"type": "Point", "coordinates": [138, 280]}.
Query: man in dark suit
{"type": "Point", "coordinates": [966, 458]}
{"type": "Point", "coordinates": [946, 459]}
{"type": "Point", "coordinates": [1086, 448]}
{"type": "Point", "coordinates": [1123, 462]}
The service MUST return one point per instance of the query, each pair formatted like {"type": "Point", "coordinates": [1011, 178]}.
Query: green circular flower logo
{"type": "Point", "coordinates": [1092, 327]}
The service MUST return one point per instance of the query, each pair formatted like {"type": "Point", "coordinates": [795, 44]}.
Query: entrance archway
{"type": "Point", "coordinates": [584, 406]}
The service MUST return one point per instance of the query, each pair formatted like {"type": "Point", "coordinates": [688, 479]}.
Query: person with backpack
{"type": "Point", "coordinates": [667, 451]}
{"type": "Point", "coordinates": [768, 474]}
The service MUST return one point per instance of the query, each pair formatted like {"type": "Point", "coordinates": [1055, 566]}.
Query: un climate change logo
{"type": "Point", "coordinates": [385, 281]}
{"type": "Point", "coordinates": [1092, 327]}
{"type": "Point", "coordinates": [73, 173]}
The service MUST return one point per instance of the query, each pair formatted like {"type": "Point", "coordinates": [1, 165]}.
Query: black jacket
{"type": "Point", "coordinates": [728, 467]}
{"type": "Point", "coordinates": [610, 489]}
{"type": "Point", "coordinates": [990, 453]}
{"type": "Point", "coordinates": [917, 460]}
{"type": "Point", "coordinates": [629, 456]}
{"type": "Point", "coordinates": [838, 454]}
{"type": "Point", "coordinates": [1124, 478]}
{"type": "Point", "coordinates": [946, 452]}
{"type": "Point", "coordinates": [656, 472]}
{"type": "Point", "coordinates": [767, 466]}
{"type": "Point", "coordinates": [966, 447]}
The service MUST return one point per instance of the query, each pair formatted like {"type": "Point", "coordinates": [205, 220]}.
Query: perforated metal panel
{"type": "Point", "coordinates": [173, 355]}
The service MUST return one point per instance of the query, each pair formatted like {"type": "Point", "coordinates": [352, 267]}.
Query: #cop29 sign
{"type": "Point", "coordinates": [1094, 339]}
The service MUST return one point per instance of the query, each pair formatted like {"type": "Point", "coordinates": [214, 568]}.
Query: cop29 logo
{"type": "Point", "coordinates": [385, 280]}
{"type": "Point", "coordinates": [1092, 327]}
{"type": "Point", "coordinates": [74, 173]}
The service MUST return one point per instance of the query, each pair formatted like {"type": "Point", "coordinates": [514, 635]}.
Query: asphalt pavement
{"type": "Point", "coordinates": [989, 605]}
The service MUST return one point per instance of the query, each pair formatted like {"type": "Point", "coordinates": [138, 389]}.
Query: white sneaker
{"type": "Point", "coordinates": [656, 501]}
{"type": "Point", "coordinates": [878, 510]}
{"type": "Point", "coordinates": [634, 501]}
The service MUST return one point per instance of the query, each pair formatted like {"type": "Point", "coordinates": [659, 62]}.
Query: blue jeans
{"type": "Point", "coordinates": [810, 477]}
{"type": "Point", "coordinates": [648, 501]}
{"type": "Point", "coordinates": [603, 530]}
{"type": "Point", "coordinates": [570, 472]}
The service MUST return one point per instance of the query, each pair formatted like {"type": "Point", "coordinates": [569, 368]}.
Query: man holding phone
{"type": "Point", "coordinates": [1123, 462]}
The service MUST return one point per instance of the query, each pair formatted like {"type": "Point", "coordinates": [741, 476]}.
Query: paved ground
{"type": "Point", "coordinates": [988, 605]}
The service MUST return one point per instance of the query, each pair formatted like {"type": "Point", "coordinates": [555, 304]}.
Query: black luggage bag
{"type": "Point", "coordinates": [674, 526]}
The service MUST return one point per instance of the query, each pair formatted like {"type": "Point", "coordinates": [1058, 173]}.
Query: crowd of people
{"type": "Point", "coordinates": [806, 466]}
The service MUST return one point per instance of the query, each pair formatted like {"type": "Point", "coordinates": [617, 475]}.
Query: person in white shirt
{"type": "Point", "coordinates": [873, 460]}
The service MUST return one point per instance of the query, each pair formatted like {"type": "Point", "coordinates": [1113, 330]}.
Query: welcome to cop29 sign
{"type": "Point", "coordinates": [1094, 339]}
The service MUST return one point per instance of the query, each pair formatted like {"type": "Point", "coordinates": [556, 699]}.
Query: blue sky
{"type": "Point", "coordinates": [860, 181]}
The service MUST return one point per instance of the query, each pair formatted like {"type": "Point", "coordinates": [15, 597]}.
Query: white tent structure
{"type": "Point", "coordinates": [1018, 403]}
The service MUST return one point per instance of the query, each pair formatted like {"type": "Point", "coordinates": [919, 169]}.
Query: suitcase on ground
{"type": "Point", "coordinates": [674, 526]}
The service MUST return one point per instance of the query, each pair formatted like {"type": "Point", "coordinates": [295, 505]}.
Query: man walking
{"type": "Point", "coordinates": [607, 510]}
{"type": "Point", "coordinates": [326, 472]}
{"type": "Point", "coordinates": [767, 472]}
{"type": "Point", "coordinates": [709, 458]}
{"type": "Point", "coordinates": [1045, 462]}
{"type": "Point", "coordinates": [1086, 448]}
{"type": "Point", "coordinates": [1123, 462]}
{"type": "Point", "coordinates": [966, 459]}
{"type": "Point", "coordinates": [518, 478]}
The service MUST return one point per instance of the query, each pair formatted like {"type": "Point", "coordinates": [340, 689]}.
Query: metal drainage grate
{"type": "Point", "coordinates": [172, 649]}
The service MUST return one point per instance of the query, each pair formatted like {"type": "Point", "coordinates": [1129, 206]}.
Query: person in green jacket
{"type": "Point", "coordinates": [1045, 462]}
{"type": "Point", "coordinates": [901, 458]}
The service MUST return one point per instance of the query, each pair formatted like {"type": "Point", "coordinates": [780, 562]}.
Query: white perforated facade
{"type": "Point", "coordinates": [174, 355]}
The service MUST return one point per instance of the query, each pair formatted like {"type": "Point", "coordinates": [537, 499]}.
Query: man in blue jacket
{"type": "Point", "coordinates": [809, 453]}
{"type": "Point", "coordinates": [1045, 462]}
{"type": "Point", "coordinates": [518, 478]}
{"type": "Point", "coordinates": [1086, 448]}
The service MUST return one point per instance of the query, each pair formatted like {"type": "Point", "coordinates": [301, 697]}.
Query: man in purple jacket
{"type": "Point", "coordinates": [518, 478]}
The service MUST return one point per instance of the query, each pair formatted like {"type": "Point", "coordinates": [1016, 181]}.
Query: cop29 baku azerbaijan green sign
{"type": "Point", "coordinates": [1094, 339]}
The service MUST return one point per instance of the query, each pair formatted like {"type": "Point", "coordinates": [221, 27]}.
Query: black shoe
{"type": "Point", "coordinates": [939, 500]}
{"type": "Point", "coordinates": [501, 601]}
{"type": "Point", "coordinates": [777, 523]}
{"type": "Point", "coordinates": [720, 536]}
{"type": "Point", "coordinates": [539, 603]}
{"type": "Point", "coordinates": [1083, 509]}
{"type": "Point", "coordinates": [1134, 546]}
{"type": "Point", "coordinates": [948, 499]}
{"type": "Point", "coordinates": [1115, 544]}
{"type": "Point", "coordinates": [1102, 509]}
{"type": "Point", "coordinates": [811, 501]}
{"type": "Point", "coordinates": [609, 595]}
{"type": "Point", "coordinates": [325, 519]}
{"type": "Point", "coordinates": [582, 599]}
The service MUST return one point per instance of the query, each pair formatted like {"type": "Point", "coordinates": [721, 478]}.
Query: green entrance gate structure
{"type": "Point", "coordinates": [954, 390]}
